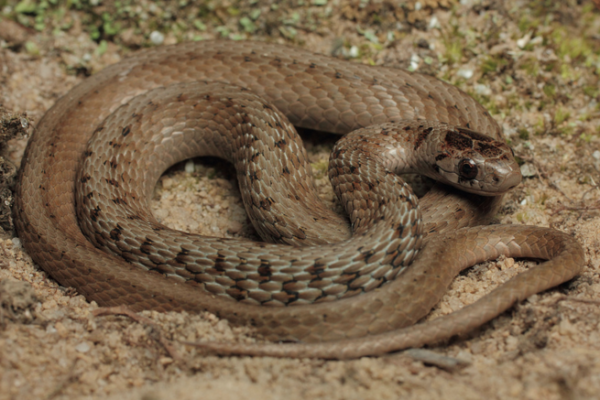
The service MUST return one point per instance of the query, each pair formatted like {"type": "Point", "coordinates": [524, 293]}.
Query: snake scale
{"type": "Point", "coordinates": [337, 295]}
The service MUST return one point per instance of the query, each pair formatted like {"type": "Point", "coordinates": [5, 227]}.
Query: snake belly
{"type": "Point", "coordinates": [312, 91]}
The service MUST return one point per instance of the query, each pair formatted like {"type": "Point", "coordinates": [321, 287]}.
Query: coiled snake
{"type": "Point", "coordinates": [166, 104]}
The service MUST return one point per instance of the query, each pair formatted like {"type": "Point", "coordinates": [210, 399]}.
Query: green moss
{"type": "Point", "coordinates": [320, 168]}
{"type": "Point", "coordinates": [561, 116]}
{"type": "Point", "coordinates": [592, 91]}
{"type": "Point", "coordinates": [531, 66]}
{"type": "Point", "coordinates": [493, 64]}
{"type": "Point", "coordinates": [550, 90]}
{"type": "Point", "coordinates": [523, 134]}
{"type": "Point", "coordinates": [454, 51]}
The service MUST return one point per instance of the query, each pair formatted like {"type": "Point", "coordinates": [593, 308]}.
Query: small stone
{"type": "Point", "coordinates": [82, 347]}
{"type": "Point", "coordinates": [466, 73]}
{"type": "Point", "coordinates": [528, 170]}
{"type": "Point", "coordinates": [483, 89]}
{"type": "Point", "coordinates": [190, 167]}
{"type": "Point", "coordinates": [157, 38]}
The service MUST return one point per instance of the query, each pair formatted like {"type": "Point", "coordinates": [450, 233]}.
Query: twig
{"type": "Point", "coordinates": [123, 310]}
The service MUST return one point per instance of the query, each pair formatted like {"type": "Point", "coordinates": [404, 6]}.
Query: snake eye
{"type": "Point", "coordinates": [467, 169]}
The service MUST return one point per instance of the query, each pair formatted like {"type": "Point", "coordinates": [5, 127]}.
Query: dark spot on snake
{"type": "Point", "coordinates": [119, 201]}
{"type": "Point", "coordinates": [85, 178]}
{"type": "Point", "coordinates": [116, 234]}
{"type": "Point", "coordinates": [254, 177]}
{"type": "Point", "coordinates": [89, 195]}
{"type": "Point", "coordinates": [338, 75]}
{"type": "Point", "coordinates": [285, 171]}
{"type": "Point", "coordinates": [407, 128]}
{"type": "Point", "coordinates": [422, 136]}
{"type": "Point", "coordinates": [312, 65]}
{"type": "Point", "coordinates": [95, 213]}
{"type": "Point", "coordinates": [255, 157]}
{"type": "Point", "coordinates": [266, 203]}
{"type": "Point", "coordinates": [264, 269]}
{"type": "Point", "coordinates": [112, 182]}
{"type": "Point", "coordinates": [281, 144]}
{"type": "Point", "coordinates": [458, 141]}
{"type": "Point", "coordinates": [408, 84]}
{"type": "Point", "coordinates": [247, 59]}
{"type": "Point", "coordinates": [441, 156]}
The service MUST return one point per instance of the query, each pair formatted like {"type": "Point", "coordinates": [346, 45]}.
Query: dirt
{"type": "Point", "coordinates": [534, 64]}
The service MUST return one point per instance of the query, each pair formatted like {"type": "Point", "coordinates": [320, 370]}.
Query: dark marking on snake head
{"type": "Point", "coordinates": [423, 134]}
{"type": "Point", "coordinates": [489, 150]}
{"type": "Point", "coordinates": [441, 156]}
{"type": "Point", "coordinates": [126, 130]}
{"type": "Point", "coordinates": [458, 141]}
{"type": "Point", "coordinates": [475, 135]}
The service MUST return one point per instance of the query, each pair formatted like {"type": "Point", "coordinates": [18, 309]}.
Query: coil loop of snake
{"type": "Point", "coordinates": [238, 100]}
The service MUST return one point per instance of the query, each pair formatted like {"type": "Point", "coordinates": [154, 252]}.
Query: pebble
{"type": "Point", "coordinates": [82, 347]}
{"type": "Point", "coordinates": [466, 73]}
{"type": "Point", "coordinates": [157, 38]}
{"type": "Point", "coordinates": [528, 170]}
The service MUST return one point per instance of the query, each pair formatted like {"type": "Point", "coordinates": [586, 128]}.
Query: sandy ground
{"type": "Point", "coordinates": [535, 65]}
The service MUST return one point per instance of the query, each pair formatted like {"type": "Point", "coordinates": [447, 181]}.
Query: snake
{"type": "Point", "coordinates": [327, 285]}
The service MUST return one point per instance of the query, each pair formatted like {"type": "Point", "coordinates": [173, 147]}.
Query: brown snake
{"type": "Point", "coordinates": [203, 274]}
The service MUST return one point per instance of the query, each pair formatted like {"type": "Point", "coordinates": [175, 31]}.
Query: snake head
{"type": "Point", "coordinates": [476, 163]}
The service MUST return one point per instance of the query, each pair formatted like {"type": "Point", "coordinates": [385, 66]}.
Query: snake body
{"type": "Point", "coordinates": [204, 274]}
